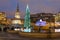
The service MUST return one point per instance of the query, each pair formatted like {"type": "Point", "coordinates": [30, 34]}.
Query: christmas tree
{"type": "Point", "coordinates": [27, 18]}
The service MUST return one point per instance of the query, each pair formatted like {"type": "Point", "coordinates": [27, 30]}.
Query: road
{"type": "Point", "coordinates": [8, 36]}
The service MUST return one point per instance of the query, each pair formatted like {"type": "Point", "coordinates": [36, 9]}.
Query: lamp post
{"type": "Point", "coordinates": [54, 20]}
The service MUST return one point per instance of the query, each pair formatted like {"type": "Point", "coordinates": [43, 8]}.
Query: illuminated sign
{"type": "Point", "coordinates": [57, 30]}
{"type": "Point", "coordinates": [40, 23]}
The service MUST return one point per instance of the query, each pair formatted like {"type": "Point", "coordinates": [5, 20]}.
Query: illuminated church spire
{"type": "Point", "coordinates": [17, 8]}
{"type": "Point", "coordinates": [17, 15]}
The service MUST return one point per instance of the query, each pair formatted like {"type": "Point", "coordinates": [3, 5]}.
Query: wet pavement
{"type": "Point", "coordinates": [8, 36]}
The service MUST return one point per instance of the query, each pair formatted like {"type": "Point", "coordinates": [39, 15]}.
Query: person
{"type": "Point", "coordinates": [22, 29]}
{"type": "Point", "coordinates": [12, 28]}
{"type": "Point", "coordinates": [49, 33]}
{"type": "Point", "coordinates": [0, 29]}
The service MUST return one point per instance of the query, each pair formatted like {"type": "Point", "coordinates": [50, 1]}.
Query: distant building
{"type": "Point", "coordinates": [17, 19]}
{"type": "Point", "coordinates": [9, 21]}
{"type": "Point", "coordinates": [57, 17]}
{"type": "Point", "coordinates": [48, 17]}
{"type": "Point", "coordinates": [3, 18]}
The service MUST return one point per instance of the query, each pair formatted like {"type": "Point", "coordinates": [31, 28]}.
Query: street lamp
{"type": "Point", "coordinates": [54, 20]}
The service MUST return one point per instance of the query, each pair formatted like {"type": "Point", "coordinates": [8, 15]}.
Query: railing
{"type": "Point", "coordinates": [40, 35]}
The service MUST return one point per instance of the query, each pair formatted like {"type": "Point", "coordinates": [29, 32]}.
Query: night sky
{"type": "Point", "coordinates": [36, 6]}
